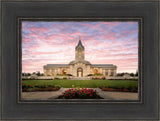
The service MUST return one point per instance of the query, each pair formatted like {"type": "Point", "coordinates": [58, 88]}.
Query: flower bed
{"type": "Point", "coordinates": [80, 93]}
{"type": "Point", "coordinates": [33, 88]}
{"type": "Point", "coordinates": [120, 89]}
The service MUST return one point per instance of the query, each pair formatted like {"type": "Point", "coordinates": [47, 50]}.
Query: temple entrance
{"type": "Point", "coordinates": [79, 72]}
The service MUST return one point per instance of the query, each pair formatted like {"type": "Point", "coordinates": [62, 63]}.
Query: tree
{"type": "Point", "coordinates": [120, 74]}
{"type": "Point", "coordinates": [136, 73]}
{"type": "Point", "coordinates": [38, 73]}
{"type": "Point", "coordinates": [132, 74]}
{"type": "Point", "coordinates": [26, 74]}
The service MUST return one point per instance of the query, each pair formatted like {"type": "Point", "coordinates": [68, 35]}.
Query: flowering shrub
{"type": "Point", "coordinates": [32, 87]}
{"type": "Point", "coordinates": [80, 93]}
{"type": "Point", "coordinates": [121, 89]}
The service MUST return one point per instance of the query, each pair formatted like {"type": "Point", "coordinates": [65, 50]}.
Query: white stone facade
{"type": "Point", "coordinates": [80, 67]}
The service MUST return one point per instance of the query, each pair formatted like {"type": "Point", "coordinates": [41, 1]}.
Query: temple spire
{"type": "Point", "coordinates": [79, 51]}
{"type": "Point", "coordinates": [80, 43]}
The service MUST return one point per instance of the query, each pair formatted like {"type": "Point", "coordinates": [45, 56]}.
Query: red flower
{"type": "Point", "coordinates": [23, 84]}
{"type": "Point", "coordinates": [91, 95]}
{"type": "Point", "coordinates": [43, 82]}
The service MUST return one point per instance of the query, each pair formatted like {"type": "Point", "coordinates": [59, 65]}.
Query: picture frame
{"type": "Point", "coordinates": [148, 106]}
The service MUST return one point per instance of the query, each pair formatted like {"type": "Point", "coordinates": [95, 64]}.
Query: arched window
{"type": "Point", "coordinates": [79, 72]}
{"type": "Point", "coordinates": [95, 71]}
{"type": "Point", "coordinates": [63, 71]}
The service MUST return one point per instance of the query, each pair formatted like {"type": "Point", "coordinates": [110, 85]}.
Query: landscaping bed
{"type": "Point", "coordinates": [119, 89]}
{"type": "Point", "coordinates": [80, 93]}
{"type": "Point", "coordinates": [34, 88]}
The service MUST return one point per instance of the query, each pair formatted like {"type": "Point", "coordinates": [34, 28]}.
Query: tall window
{"type": "Point", "coordinates": [95, 71]}
{"type": "Point", "coordinates": [111, 74]}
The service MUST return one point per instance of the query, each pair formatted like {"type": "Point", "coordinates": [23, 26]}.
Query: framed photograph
{"type": "Point", "coordinates": [99, 40]}
{"type": "Point", "coordinates": [68, 60]}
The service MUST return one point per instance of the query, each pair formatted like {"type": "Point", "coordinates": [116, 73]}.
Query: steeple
{"type": "Point", "coordinates": [79, 44]}
{"type": "Point", "coordinates": [79, 51]}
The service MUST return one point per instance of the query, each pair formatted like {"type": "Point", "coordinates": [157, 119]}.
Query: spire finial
{"type": "Point", "coordinates": [80, 43]}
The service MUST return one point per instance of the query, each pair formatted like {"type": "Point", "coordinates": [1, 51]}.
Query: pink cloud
{"type": "Point", "coordinates": [56, 44]}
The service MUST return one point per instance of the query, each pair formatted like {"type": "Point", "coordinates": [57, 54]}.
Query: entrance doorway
{"type": "Point", "coordinates": [79, 72]}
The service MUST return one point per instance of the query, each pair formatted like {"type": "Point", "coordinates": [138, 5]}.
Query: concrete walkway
{"type": "Point", "coordinates": [42, 95]}
{"type": "Point", "coordinates": [104, 94]}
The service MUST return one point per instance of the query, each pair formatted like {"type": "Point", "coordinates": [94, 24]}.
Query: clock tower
{"type": "Point", "coordinates": [79, 51]}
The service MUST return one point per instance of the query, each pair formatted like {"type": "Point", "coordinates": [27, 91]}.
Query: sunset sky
{"type": "Point", "coordinates": [54, 43]}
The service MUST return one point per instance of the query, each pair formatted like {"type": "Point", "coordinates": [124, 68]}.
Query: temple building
{"type": "Point", "coordinates": [80, 67]}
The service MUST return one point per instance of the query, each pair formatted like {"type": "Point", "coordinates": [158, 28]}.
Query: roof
{"type": "Point", "coordinates": [79, 44]}
{"type": "Point", "coordinates": [103, 65]}
{"type": "Point", "coordinates": [56, 65]}
{"type": "Point", "coordinates": [80, 61]}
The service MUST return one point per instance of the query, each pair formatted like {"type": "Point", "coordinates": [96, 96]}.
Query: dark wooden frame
{"type": "Point", "coordinates": [146, 109]}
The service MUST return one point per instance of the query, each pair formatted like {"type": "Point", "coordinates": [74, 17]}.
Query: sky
{"type": "Point", "coordinates": [54, 43]}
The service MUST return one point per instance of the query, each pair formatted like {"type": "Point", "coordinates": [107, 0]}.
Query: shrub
{"type": "Point", "coordinates": [103, 77]}
{"type": "Point", "coordinates": [98, 74]}
{"type": "Point", "coordinates": [95, 78]}
{"type": "Point", "coordinates": [30, 90]}
{"type": "Point", "coordinates": [69, 74]}
{"type": "Point", "coordinates": [56, 78]}
{"type": "Point", "coordinates": [115, 88]}
{"type": "Point", "coordinates": [129, 88]}
{"type": "Point", "coordinates": [79, 94]}
{"type": "Point", "coordinates": [90, 75]}
{"type": "Point", "coordinates": [40, 88]}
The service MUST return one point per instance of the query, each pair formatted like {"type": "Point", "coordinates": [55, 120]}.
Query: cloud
{"type": "Point", "coordinates": [54, 42]}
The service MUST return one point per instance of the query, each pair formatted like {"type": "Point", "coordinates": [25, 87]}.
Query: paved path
{"type": "Point", "coordinates": [42, 95]}
{"type": "Point", "coordinates": [104, 94]}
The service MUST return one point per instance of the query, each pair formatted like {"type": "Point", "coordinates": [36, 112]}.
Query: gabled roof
{"type": "Point", "coordinates": [79, 44]}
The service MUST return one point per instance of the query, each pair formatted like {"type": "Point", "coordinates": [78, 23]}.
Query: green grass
{"type": "Point", "coordinates": [84, 83]}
